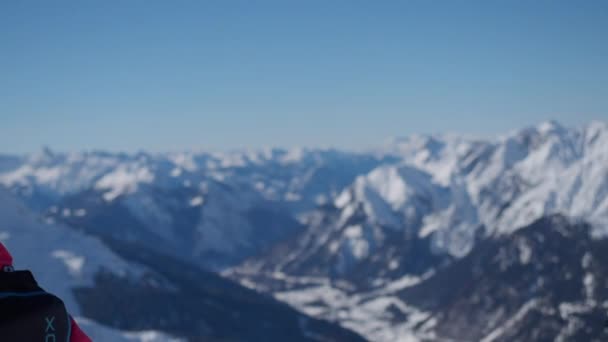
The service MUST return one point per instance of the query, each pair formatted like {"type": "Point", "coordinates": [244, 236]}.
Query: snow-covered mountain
{"type": "Point", "coordinates": [122, 291]}
{"type": "Point", "coordinates": [556, 169]}
{"type": "Point", "coordinates": [447, 192]}
{"type": "Point", "coordinates": [215, 209]}
{"type": "Point", "coordinates": [543, 282]}
{"type": "Point", "coordinates": [301, 177]}
{"type": "Point", "coordinates": [336, 234]}
{"type": "Point", "coordinates": [134, 291]}
{"type": "Point", "coordinates": [408, 221]}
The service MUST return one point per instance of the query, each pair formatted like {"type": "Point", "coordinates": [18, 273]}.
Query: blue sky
{"type": "Point", "coordinates": [167, 75]}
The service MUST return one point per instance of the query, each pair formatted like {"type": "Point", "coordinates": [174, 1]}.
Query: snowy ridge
{"type": "Point", "coordinates": [509, 182]}
{"type": "Point", "coordinates": [213, 207]}
{"type": "Point", "coordinates": [442, 186]}
{"type": "Point", "coordinates": [305, 174]}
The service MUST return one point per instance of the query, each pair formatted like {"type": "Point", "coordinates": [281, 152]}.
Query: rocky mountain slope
{"type": "Point", "coordinates": [544, 282]}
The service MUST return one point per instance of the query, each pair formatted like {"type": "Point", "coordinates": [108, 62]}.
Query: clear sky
{"type": "Point", "coordinates": [168, 75]}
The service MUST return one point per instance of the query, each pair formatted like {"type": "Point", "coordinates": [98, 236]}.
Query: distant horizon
{"type": "Point", "coordinates": [46, 148]}
{"type": "Point", "coordinates": [570, 121]}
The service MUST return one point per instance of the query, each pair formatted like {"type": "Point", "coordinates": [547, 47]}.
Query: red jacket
{"type": "Point", "coordinates": [6, 264]}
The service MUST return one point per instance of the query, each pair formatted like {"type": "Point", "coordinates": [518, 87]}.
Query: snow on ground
{"type": "Point", "coordinates": [369, 314]}
{"type": "Point", "coordinates": [99, 333]}
{"type": "Point", "coordinates": [369, 317]}
{"type": "Point", "coordinates": [196, 201]}
{"type": "Point", "coordinates": [123, 180]}
{"type": "Point", "coordinates": [519, 315]}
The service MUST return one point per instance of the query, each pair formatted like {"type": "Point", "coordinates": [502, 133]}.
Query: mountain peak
{"type": "Point", "coordinates": [44, 155]}
{"type": "Point", "coordinates": [550, 126]}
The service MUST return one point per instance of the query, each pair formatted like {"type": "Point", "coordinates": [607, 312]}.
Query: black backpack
{"type": "Point", "coordinates": [28, 313]}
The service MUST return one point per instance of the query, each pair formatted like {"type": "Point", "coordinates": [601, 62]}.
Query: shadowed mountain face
{"type": "Point", "coordinates": [355, 253]}
{"type": "Point", "coordinates": [215, 228]}
{"type": "Point", "coordinates": [196, 305]}
{"type": "Point", "coordinates": [545, 282]}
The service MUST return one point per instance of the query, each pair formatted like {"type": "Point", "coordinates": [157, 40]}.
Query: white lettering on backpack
{"type": "Point", "coordinates": [50, 330]}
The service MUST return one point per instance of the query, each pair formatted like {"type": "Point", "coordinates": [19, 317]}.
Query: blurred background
{"type": "Point", "coordinates": [310, 171]}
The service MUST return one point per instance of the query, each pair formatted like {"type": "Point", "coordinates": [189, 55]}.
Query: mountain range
{"type": "Point", "coordinates": [427, 237]}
